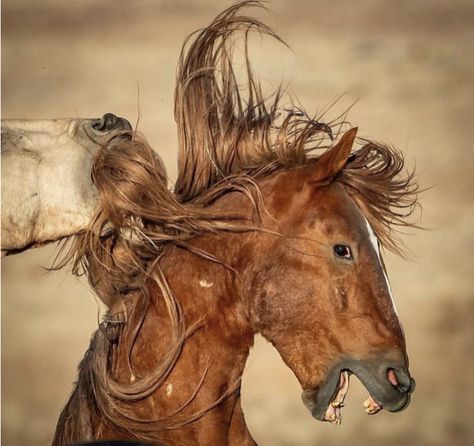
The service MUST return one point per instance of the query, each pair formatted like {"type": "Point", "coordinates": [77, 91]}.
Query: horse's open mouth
{"type": "Point", "coordinates": [388, 387]}
{"type": "Point", "coordinates": [334, 410]}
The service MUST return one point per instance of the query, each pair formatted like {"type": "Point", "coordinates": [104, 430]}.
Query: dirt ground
{"type": "Point", "coordinates": [410, 64]}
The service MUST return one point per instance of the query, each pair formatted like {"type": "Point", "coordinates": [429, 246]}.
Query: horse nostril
{"type": "Point", "coordinates": [110, 122]}
{"type": "Point", "coordinates": [400, 380]}
{"type": "Point", "coordinates": [392, 377]}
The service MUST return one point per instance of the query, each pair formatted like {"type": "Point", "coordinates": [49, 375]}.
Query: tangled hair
{"type": "Point", "coordinates": [229, 138]}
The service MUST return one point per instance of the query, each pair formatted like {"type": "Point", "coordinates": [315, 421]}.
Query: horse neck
{"type": "Point", "coordinates": [214, 354]}
{"type": "Point", "coordinates": [209, 291]}
{"type": "Point", "coordinates": [211, 361]}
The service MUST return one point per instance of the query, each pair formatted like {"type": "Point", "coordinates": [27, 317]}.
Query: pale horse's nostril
{"type": "Point", "coordinates": [400, 379]}
{"type": "Point", "coordinates": [110, 122]}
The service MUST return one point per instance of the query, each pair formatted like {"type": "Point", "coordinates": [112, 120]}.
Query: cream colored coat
{"type": "Point", "coordinates": [47, 192]}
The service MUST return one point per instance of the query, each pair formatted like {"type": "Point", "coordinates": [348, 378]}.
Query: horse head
{"type": "Point", "coordinates": [319, 292]}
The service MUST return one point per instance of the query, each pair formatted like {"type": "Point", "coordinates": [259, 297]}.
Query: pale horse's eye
{"type": "Point", "coordinates": [343, 251]}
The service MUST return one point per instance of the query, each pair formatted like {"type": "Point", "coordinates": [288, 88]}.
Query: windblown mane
{"type": "Point", "coordinates": [229, 137]}
{"type": "Point", "coordinates": [229, 134]}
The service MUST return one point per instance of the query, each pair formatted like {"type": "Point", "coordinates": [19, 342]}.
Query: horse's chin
{"type": "Point", "coordinates": [326, 401]}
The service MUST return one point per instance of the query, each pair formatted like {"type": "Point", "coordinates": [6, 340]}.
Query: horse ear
{"type": "Point", "coordinates": [331, 162]}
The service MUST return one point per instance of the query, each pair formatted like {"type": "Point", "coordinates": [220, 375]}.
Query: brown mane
{"type": "Point", "coordinates": [228, 139]}
{"type": "Point", "coordinates": [226, 134]}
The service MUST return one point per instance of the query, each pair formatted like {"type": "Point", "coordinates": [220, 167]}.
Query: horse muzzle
{"type": "Point", "coordinates": [388, 382]}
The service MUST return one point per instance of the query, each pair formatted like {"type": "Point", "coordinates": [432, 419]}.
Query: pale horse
{"type": "Point", "coordinates": [47, 192]}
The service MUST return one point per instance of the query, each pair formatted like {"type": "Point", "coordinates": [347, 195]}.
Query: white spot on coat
{"type": "Point", "coordinates": [205, 284]}
{"type": "Point", "coordinates": [169, 389]}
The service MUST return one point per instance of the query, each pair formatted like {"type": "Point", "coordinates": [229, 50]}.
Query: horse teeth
{"type": "Point", "coordinates": [337, 404]}
{"type": "Point", "coordinates": [373, 410]}
{"type": "Point", "coordinates": [367, 403]}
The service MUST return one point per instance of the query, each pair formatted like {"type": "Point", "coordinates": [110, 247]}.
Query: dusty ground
{"type": "Point", "coordinates": [410, 63]}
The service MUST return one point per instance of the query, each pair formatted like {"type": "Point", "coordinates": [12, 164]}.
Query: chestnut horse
{"type": "Point", "coordinates": [272, 229]}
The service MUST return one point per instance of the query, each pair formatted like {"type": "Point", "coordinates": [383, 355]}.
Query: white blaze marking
{"type": "Point", "coordinates": [205, 284]}
{"type": "Point", "coordinates": [169, 389]}
{"type": "Point", "coordinates": [375, 243]}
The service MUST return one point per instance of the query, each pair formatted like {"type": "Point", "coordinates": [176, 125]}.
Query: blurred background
{"type": "Point", "coordinates": [410, 64]}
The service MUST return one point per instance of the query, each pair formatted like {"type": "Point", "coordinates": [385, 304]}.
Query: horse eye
{"type": "Point", "coordinates": [343, 251]}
